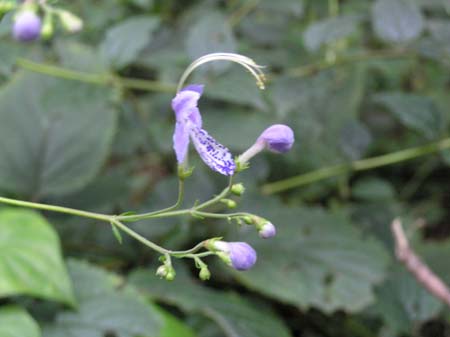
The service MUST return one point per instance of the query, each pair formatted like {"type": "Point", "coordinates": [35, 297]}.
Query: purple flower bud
{"type": "Point", "coordinates": [27, 26]}
{"type": "Point", "coordinates": [267, 231]}
{"type": "Point", "coordinates": [278, 138]}
{"type": "Point", "coordinates": [241, 255]}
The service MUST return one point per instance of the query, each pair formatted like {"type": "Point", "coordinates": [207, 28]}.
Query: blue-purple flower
{"type": "Point", "coordinates": [189, 127]}
{"type": "Point", "coordinates": [240, 255]}
{"type": "Point", "coordinates": [27, 26]}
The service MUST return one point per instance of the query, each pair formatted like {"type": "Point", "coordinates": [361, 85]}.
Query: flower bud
{"type": "Point", "coordinates": [239, 255]}
{"type": "Point", "coordinates": [165, 271]}
{"type": "Point", "coordinates": [70, 22]}
{"type": "Point", "coordinates": [230, 203]}
{"type": "Point", "coordinates": [238, 189]}
{"type": "Point", "coordinates": [27, 26]}
{"type": "Point", "coordinates": [204, 274]}
{"type": "Point", "coordinates": [267, 231]}
{"type": "Point", "coordinates": [47, 26]}
{"type": "Point", "coordinates": [277, 138]}
{"type": "Point", "coordinates": [6, 6]}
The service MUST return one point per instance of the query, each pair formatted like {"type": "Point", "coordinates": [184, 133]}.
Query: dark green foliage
{"type": "Point", "coordinates": [353, 78]}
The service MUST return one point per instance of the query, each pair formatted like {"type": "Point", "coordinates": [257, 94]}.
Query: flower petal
{"type": "Point", "coordinates": [181, 141]}
{"type": "Point", "coordinates": [198, 88]}
{"type": "Point", "coordinates": [185, 105]}
{"type": "Point", "coordinates": [215, 155]}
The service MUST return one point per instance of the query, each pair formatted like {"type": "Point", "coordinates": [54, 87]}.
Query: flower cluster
{"type": "Point", "coordinates": [28, 25]}
{"type": "Point", "coordinates": [277, 138]}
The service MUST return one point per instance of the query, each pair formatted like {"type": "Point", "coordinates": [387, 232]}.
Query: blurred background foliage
{"type": "Point", "coordinates": [85, 121]}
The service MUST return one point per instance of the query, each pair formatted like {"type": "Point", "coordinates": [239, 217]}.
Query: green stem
{"type": "Point", "coordinates": [58, 209]}
{"type": "Point", "coordinates": [104, 79]}
{"type": "Point", "coordinates": [359, 165]}
{"type": "Point", "coordinates": [313, 68]}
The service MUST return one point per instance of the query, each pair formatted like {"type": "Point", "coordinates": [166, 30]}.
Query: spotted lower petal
{"type": "Point", "coordinates": [215, 155]}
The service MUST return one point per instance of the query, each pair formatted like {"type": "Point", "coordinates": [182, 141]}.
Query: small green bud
{"type": "Point", "coordinates": [6, 6]}
{"type": "Point", "coordinates": [70, 22]}
{"type": "Point", "coordinates": [248, 220]}
{"type": "Point", "coordinates": [230, 203]}
{"type": "Point", "coordinates": [238, 189]}
{"type": "Point", "coordinates": [184, 172]}
{"type": "Point", "coordinates": [204, 274]}
{"type": "Point", "coordinates": [47, 26]}
{"type": "Point", "coordinates": [167, 272]}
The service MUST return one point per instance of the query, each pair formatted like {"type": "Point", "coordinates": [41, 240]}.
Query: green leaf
{"type": "Point", "coordinates": [355, 138]}
{"type": "Point", "coordinates": [16, 322]}
{"type": "Point", "coordinates": [419, 113]}
{"type": "Point", "coordinates": [329, 30]}
{"type": "Point", "coordinates": [210, 34]}
{"type": "Point", "coordinates": [317, 260]}
{"type": "Point", "coordinates": [373, 189]}
{"type": "Point", "coordinates": [126, 40]}
{"type": "Point", "coordinates": [103, 308]}
{"type": "Point", "coordinates": [31, 262]}
{"type": "Point", "coordinates": [173, 326]}
{"type": "Point", "coordinates": [397, 20]}
{"type": "Point", "coordinates": [403, 303]}
{"type": "Point", "coordinates": [55, 134]}
{"type": "Point", "coordinates": [236, 316]}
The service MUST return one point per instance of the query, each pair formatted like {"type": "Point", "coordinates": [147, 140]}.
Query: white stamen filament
{"type": "Point", "coordinates": [244, 61]}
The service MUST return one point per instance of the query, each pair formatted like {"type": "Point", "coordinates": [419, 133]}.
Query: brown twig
{"type": "Point", "coordinates": [416, 266]}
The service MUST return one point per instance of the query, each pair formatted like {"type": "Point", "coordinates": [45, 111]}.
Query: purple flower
{"type": "Point", "coordinates": [240, 255]}
{"type": "Point", "coordinates": [267, 231]}
{"type": "Point", "coordinates": [278, 138]}
{"type": "Point", "coordinates": [189, 126]}
{"type": "Point", "coordinates": [27, 26]}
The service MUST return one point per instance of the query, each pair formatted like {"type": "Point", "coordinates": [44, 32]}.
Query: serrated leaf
{"type": "Point", "coordinates": [16, 322]}
{"type": "Point", "coordinates": [397, 20]}
{"type": "Point", "coordinates": [55, 134]}
{"type": "Point", "coordinates": [124, 41]}
{"type": "Point", "coordinates": [403, 303]}
{"type": "Point", "coordinates": [329, 30]}
{"type": "Point", "coordinates": [30, 259]}
{"type": "Point", "coordinates": [236, 316]}
{"type": "Point", "coordinates": [103, 309]}
{"type": "Point", "coordinates": [210, 34]}
{"type": "Point", "coordinates": [416, 112]}
{"type": "Point", "coordinates": [316, 260]}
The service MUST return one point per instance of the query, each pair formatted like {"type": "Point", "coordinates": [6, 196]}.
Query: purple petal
{"type": "Point", "coordinates": [242, 255]}
{"type": "Point", "coordinates": [185, 106]}
{"type": "Point", "coordinates": [198, 88]}
{"type": "Point", "coordinates": [181, 141]}
{"type": "Point", "coordinates": [215, 155]}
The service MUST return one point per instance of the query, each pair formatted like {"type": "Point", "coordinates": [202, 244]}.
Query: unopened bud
{"type": "Point", "coordinates": [238, 189]}
{"type": "Point", "coordinates": [204, 274]}
{"type": "Point", "coordinates": [165, 271]}
{"type": "Point", "coordinates": [230, 203]}
{"type": "Point", "coordinates": [70, 22]}
{"type": "Point", "coordinates": [47, 26]}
